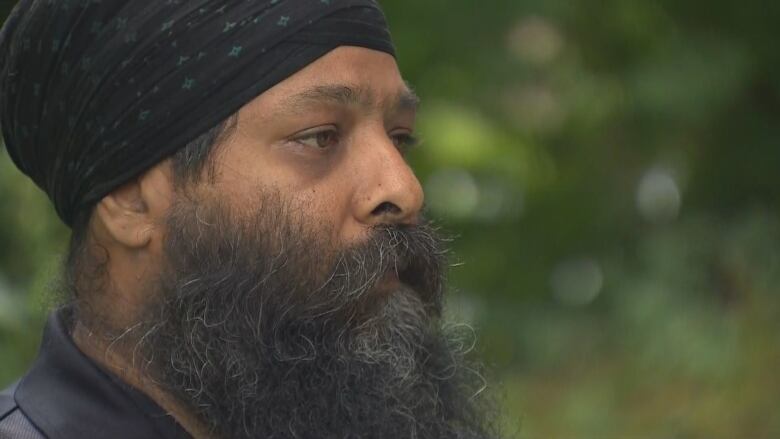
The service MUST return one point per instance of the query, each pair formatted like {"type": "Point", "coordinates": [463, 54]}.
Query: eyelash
{"type": "Point", "coordinates": [404, 142]}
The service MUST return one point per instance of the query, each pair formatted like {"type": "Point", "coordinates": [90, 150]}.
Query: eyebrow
{"type": "Point", "coordinates": [346, 95]}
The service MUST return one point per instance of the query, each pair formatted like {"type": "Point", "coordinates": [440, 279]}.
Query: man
{"type": "Point", "coordinates": [248, 257]}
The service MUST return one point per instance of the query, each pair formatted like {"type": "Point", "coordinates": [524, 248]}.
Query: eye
{"type": "Point", "coordinates": [405, 141]}
{"type": "Point", "coordinates": [319, 139]}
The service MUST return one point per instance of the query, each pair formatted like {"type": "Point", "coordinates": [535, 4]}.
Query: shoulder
{"type": "Point", "coordinates": [7, 402]}
{"type": "Point", "coordinates": [13, 423]}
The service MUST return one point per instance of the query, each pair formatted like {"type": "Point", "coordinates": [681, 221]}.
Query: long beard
{"type": "Point", "coordinates": [263, 328]}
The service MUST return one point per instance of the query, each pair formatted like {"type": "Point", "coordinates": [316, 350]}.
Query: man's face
{"type": "Point", "coordinates": [331, 137]}
{"type": "Point", "coordinates": [300, 291]}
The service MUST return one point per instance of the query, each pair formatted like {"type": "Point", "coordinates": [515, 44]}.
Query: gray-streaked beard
{"type": "Point", "coordinates": [263, 328]}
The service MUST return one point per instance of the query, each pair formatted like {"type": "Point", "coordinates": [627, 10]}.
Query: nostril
{"type": "Point", "coordinates": [386, 208]}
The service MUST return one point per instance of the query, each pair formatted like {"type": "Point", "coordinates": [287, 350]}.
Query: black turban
{"type": "Point", "coordinates": [94, 92]}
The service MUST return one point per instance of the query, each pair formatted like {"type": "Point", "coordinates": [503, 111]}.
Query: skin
{"type": "Point", "coordinates": [331, 137]}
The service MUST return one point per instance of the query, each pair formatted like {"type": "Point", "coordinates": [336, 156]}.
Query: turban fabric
{"type": "Point", "coordinates": [94, 92]}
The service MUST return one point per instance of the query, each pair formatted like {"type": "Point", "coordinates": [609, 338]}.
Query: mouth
{"type": "Point", "coordinates": [394, 276]}
{"type": "Point", "coordinates": [401, 275]}
{"type": "Point", "coordinates": [389, 281]}
{"type": "Point", "coordinates": [391, 277]}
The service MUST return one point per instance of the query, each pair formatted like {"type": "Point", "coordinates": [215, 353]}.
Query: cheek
{"type": "Point", "coordinates": [256, 164]}
{"type": "Point", "coordinates": [321, 192]}
{"type": "Point", "coordinates": [327, 206]}
{"type": "Point", "coordinates": [327, 202]}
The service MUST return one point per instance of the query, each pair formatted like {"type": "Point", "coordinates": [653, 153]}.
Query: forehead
{"type": "Point", "coordinates": [344, 75]}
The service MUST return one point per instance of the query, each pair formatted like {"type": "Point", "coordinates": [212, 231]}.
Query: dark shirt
{"type": "Point", "coordinates": [65, 395]}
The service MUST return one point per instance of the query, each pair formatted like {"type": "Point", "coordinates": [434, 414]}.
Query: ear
{"type": "Point", "coordinates": [129, 215]}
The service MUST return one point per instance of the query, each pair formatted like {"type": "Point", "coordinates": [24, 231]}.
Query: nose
{"type": "Point", "coordinates": [390, 192]}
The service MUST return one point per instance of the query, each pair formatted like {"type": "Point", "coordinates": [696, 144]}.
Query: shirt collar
{"type": "Point", "coordinates": [66, 395]}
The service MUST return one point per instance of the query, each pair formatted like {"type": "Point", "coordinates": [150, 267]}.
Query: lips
{"type": "Point", "coordinates": [390, 280]}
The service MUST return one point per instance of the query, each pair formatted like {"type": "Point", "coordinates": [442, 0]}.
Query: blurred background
{"type": "Point", "coordinates": [611, 171]}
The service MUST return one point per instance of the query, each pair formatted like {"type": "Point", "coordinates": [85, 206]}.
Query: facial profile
{"type": "Point", "coordinates": [291, 299]}
{"type": "Point", "coordinates": [276, 275]}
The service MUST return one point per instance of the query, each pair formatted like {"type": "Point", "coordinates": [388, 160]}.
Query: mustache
{"type": "Point", "coordinates": [416, 255]}
{"type": "Point", "coordinates": [252, 251]}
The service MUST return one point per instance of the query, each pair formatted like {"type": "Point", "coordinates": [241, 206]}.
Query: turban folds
{"type": "Point", "coordinates": [94, 92]}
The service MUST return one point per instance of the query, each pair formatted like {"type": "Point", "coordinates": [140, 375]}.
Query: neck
{"type": "Point", "coordinates": [115, 360]}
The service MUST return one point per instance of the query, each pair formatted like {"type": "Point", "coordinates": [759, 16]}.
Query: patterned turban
{"type": "Point", "coordinates": [94, 92]}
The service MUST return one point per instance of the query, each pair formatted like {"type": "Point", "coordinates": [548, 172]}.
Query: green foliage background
{"type": "Point", "coordinates": [611, 170]}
